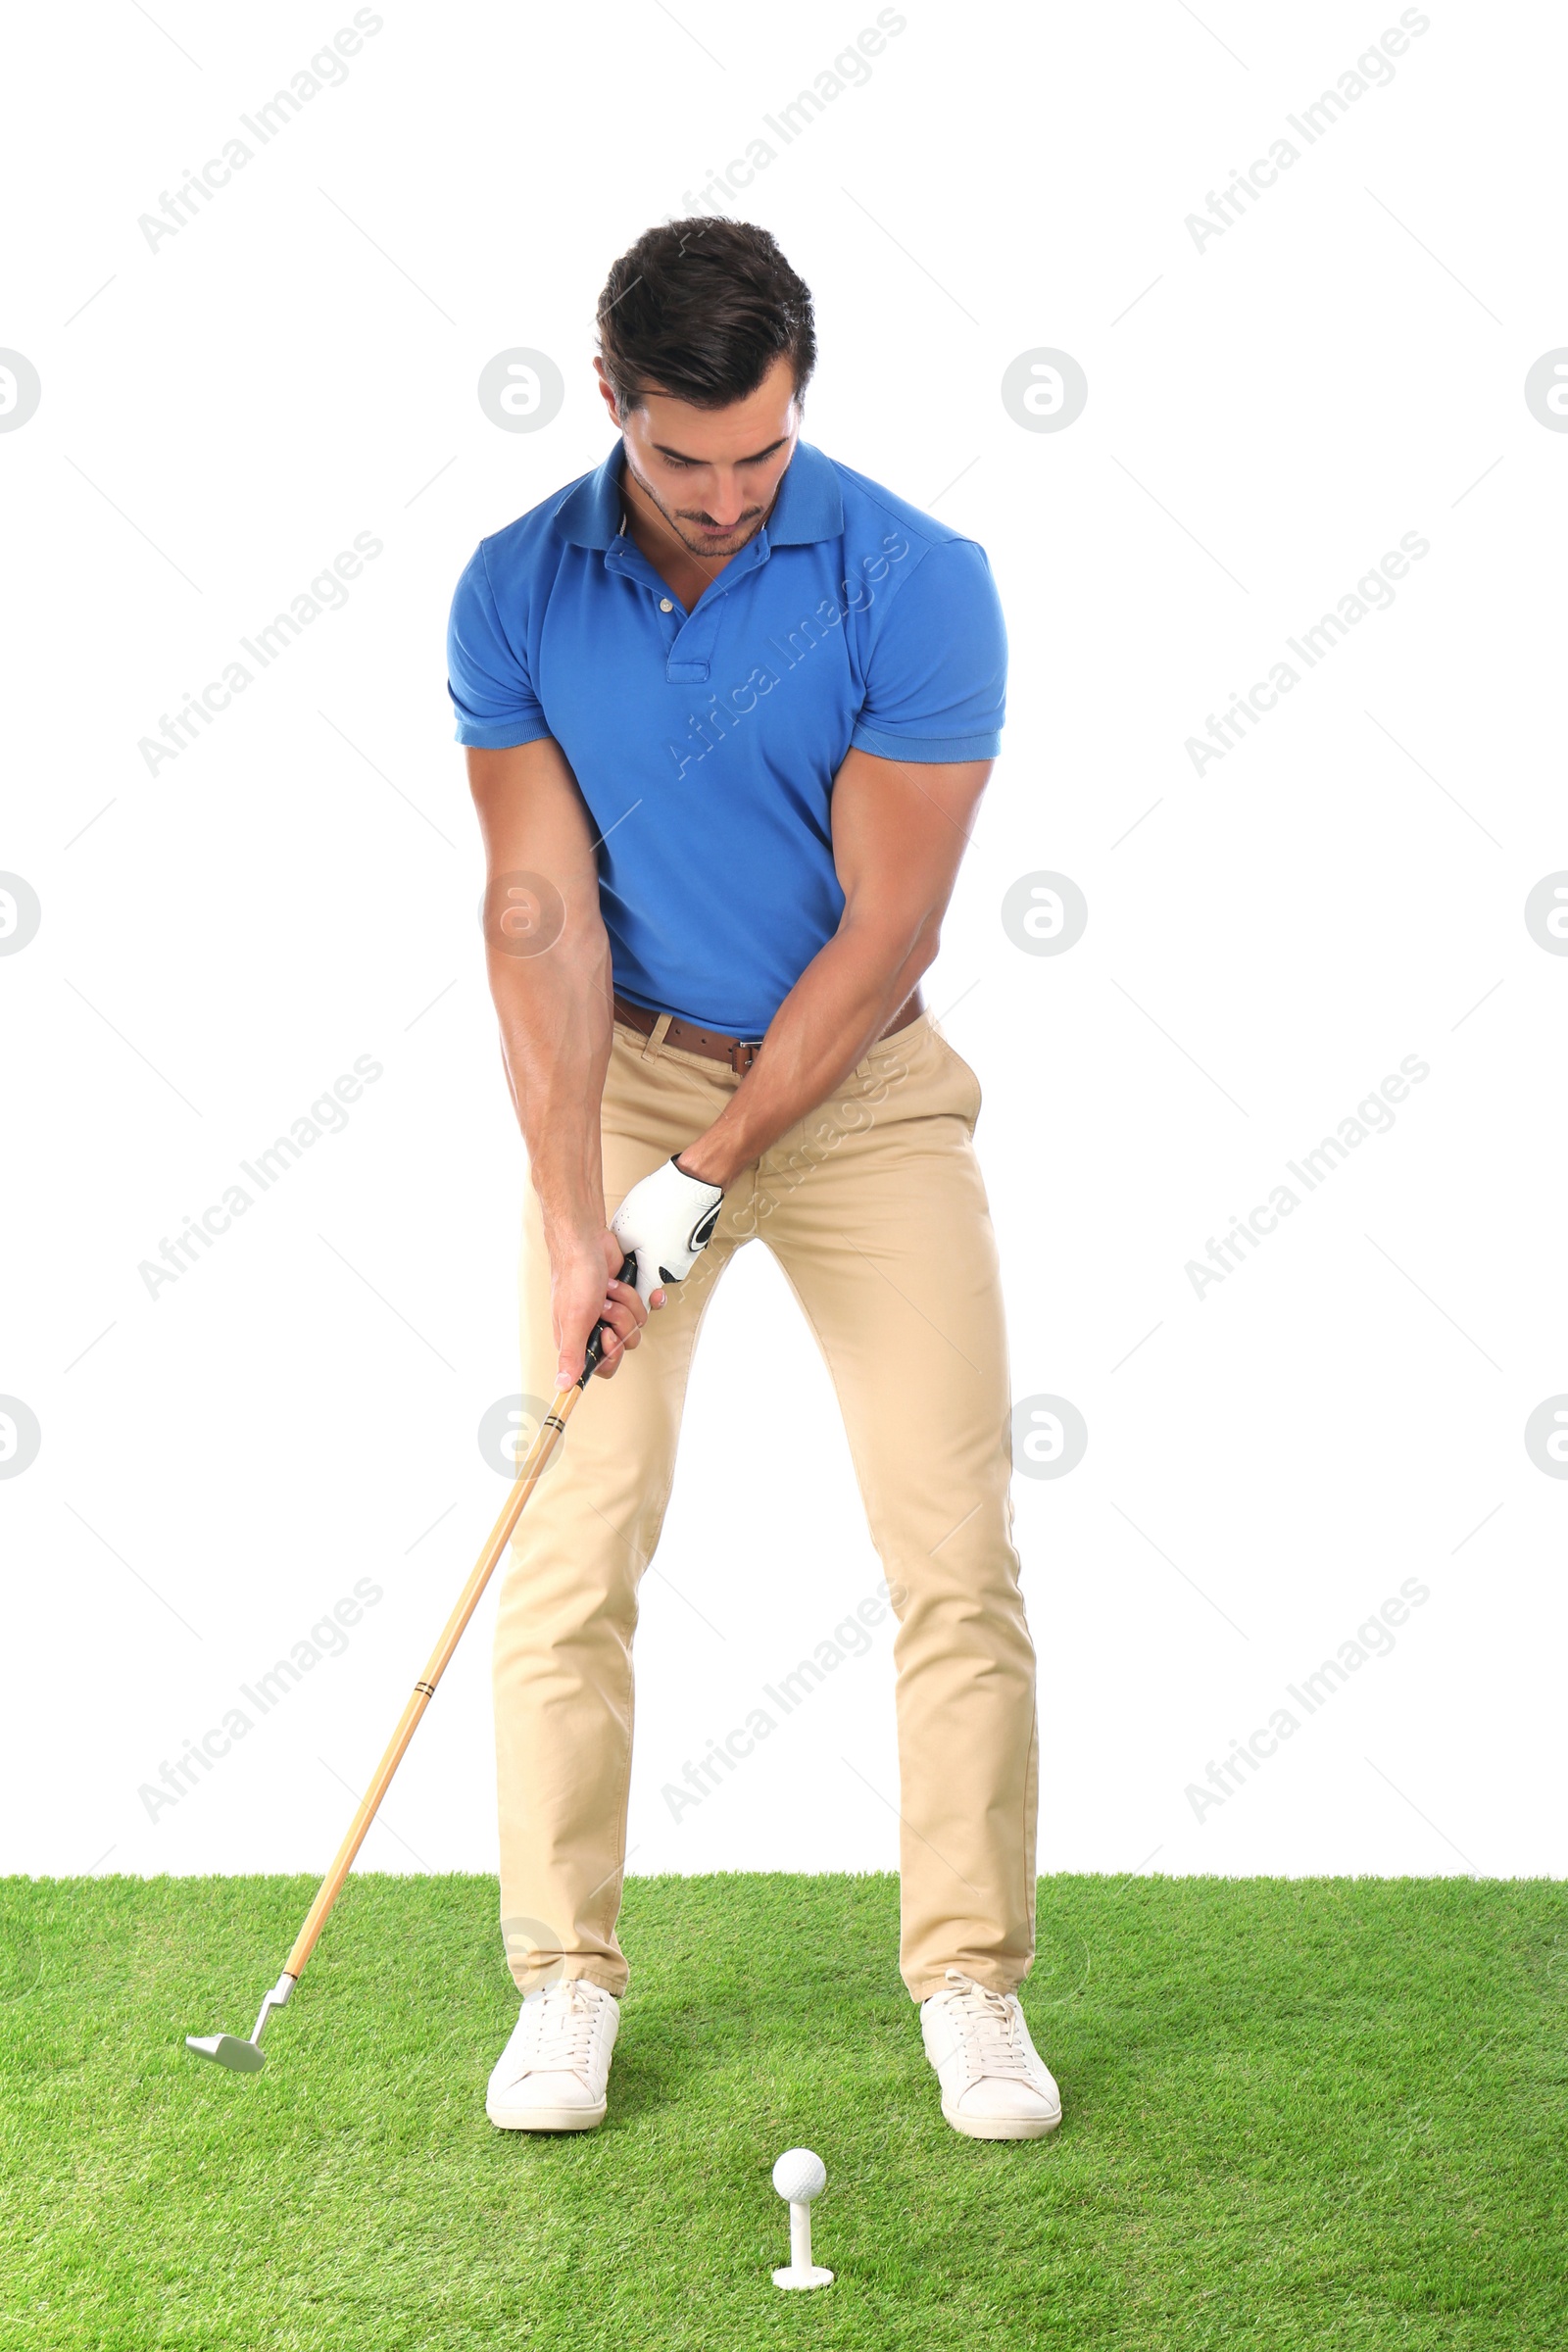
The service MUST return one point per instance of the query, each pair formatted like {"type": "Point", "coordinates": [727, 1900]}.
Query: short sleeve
{"type": "Point", "coordinates": [487, 676]}
{"type": "Point", "coordinates": [937, 673]}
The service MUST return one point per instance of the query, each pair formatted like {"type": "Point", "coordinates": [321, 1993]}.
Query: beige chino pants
{"type": "Point", "coordinates": [875, 1209]}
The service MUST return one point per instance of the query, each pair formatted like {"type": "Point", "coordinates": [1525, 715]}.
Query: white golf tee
{"type": "Point", "coordinates": [799, 2175]}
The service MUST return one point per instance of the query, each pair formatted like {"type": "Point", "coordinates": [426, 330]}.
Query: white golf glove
{"type": "Point", "coordinates": [666, 1221]}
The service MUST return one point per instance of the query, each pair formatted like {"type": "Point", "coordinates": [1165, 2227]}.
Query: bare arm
{"type": "Point", "coordinates": [900, 830]}
{"type": "Point", "coordinates": [549, 976]}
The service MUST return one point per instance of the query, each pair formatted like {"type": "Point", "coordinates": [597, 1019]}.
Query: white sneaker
{"type": "Point", "coordinates": [553, 2073]}
{"type": "Point", "coordinates": [994, 2083]}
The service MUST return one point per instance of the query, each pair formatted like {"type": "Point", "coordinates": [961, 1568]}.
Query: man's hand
{"type": "Point", "coordinates": [668, 1221]}
{"type": "Point", "coordinates": [584, 1290]}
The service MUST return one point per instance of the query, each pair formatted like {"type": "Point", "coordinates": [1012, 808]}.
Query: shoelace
{"type": "Point", "coordinates": [988, 2027]}
{"type": "Point", "coordinates": [564, 2031]}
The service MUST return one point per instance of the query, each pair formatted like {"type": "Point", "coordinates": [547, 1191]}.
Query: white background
{"type": "Point", "coordinates": [1267, 415]}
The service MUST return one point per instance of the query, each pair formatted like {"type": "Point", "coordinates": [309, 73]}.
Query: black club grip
{"type": "Point", "coordinates": [596, 1341]}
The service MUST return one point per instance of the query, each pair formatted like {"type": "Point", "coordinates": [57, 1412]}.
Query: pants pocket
{"type": "Point", "coordinates": [973, 1099]}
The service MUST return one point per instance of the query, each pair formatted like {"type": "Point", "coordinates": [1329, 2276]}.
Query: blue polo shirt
{"type": "Point", "coordinates": [705, 741]}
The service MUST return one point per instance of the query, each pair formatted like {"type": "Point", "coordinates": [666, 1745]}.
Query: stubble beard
{"type": "Point", "coordinates": [729, 544]}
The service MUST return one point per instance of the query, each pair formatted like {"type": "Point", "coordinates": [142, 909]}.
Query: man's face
{"type": "Point", "coordinates": [712, 474]}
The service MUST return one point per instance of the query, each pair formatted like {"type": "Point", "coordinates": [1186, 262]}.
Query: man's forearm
{"type": "Point", "coordinates": [832, 1016]}
{"type": "Point", "coordinates": [555, 1015]}
{"type": "Point", "coordinates": [899, 832]}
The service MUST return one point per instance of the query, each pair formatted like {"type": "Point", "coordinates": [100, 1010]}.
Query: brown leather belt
{"type": "Point", "coordinates": [739, 1052]}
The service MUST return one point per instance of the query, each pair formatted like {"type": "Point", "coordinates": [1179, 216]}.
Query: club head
{"type": "Point", "coordinates": [227, 2049]}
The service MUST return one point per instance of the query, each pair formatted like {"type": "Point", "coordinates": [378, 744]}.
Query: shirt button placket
{"type": "Point", "coordinates": [688, 658]}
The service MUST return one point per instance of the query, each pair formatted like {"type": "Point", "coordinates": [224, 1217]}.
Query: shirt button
{"type": "Point", "coordinates": [665, 604]}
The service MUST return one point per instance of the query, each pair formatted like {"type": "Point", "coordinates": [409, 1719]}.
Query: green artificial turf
{"type": "Point", "coordinates": [1298, 2114]}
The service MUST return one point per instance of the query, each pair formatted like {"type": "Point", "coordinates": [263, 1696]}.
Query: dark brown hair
{"type": "Point", "coordinates": [701, 309]}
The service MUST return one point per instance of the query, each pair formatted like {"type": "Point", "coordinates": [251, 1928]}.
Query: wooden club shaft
{"type": "Point", "coordinates": [500, 1537]}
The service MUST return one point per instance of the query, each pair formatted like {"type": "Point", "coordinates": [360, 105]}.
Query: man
{"type": "Point", "coordinates": [730, 709]}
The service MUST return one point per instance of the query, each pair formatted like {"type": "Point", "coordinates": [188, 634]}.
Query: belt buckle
{"type": "Point", "coordinates": [738, 1047]}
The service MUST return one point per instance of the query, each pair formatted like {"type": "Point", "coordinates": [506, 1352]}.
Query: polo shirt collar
{"type": "Point", "coordinates": [589, 515]}
{"type": "Point", "coordinates": [809, 505]}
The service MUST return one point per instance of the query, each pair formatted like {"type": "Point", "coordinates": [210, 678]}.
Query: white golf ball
{"type": "Point", "coordinates": [799, 2175]}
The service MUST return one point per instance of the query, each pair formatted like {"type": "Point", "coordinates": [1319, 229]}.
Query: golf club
{"type": "Point", "coordinates": [247, 2057]}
